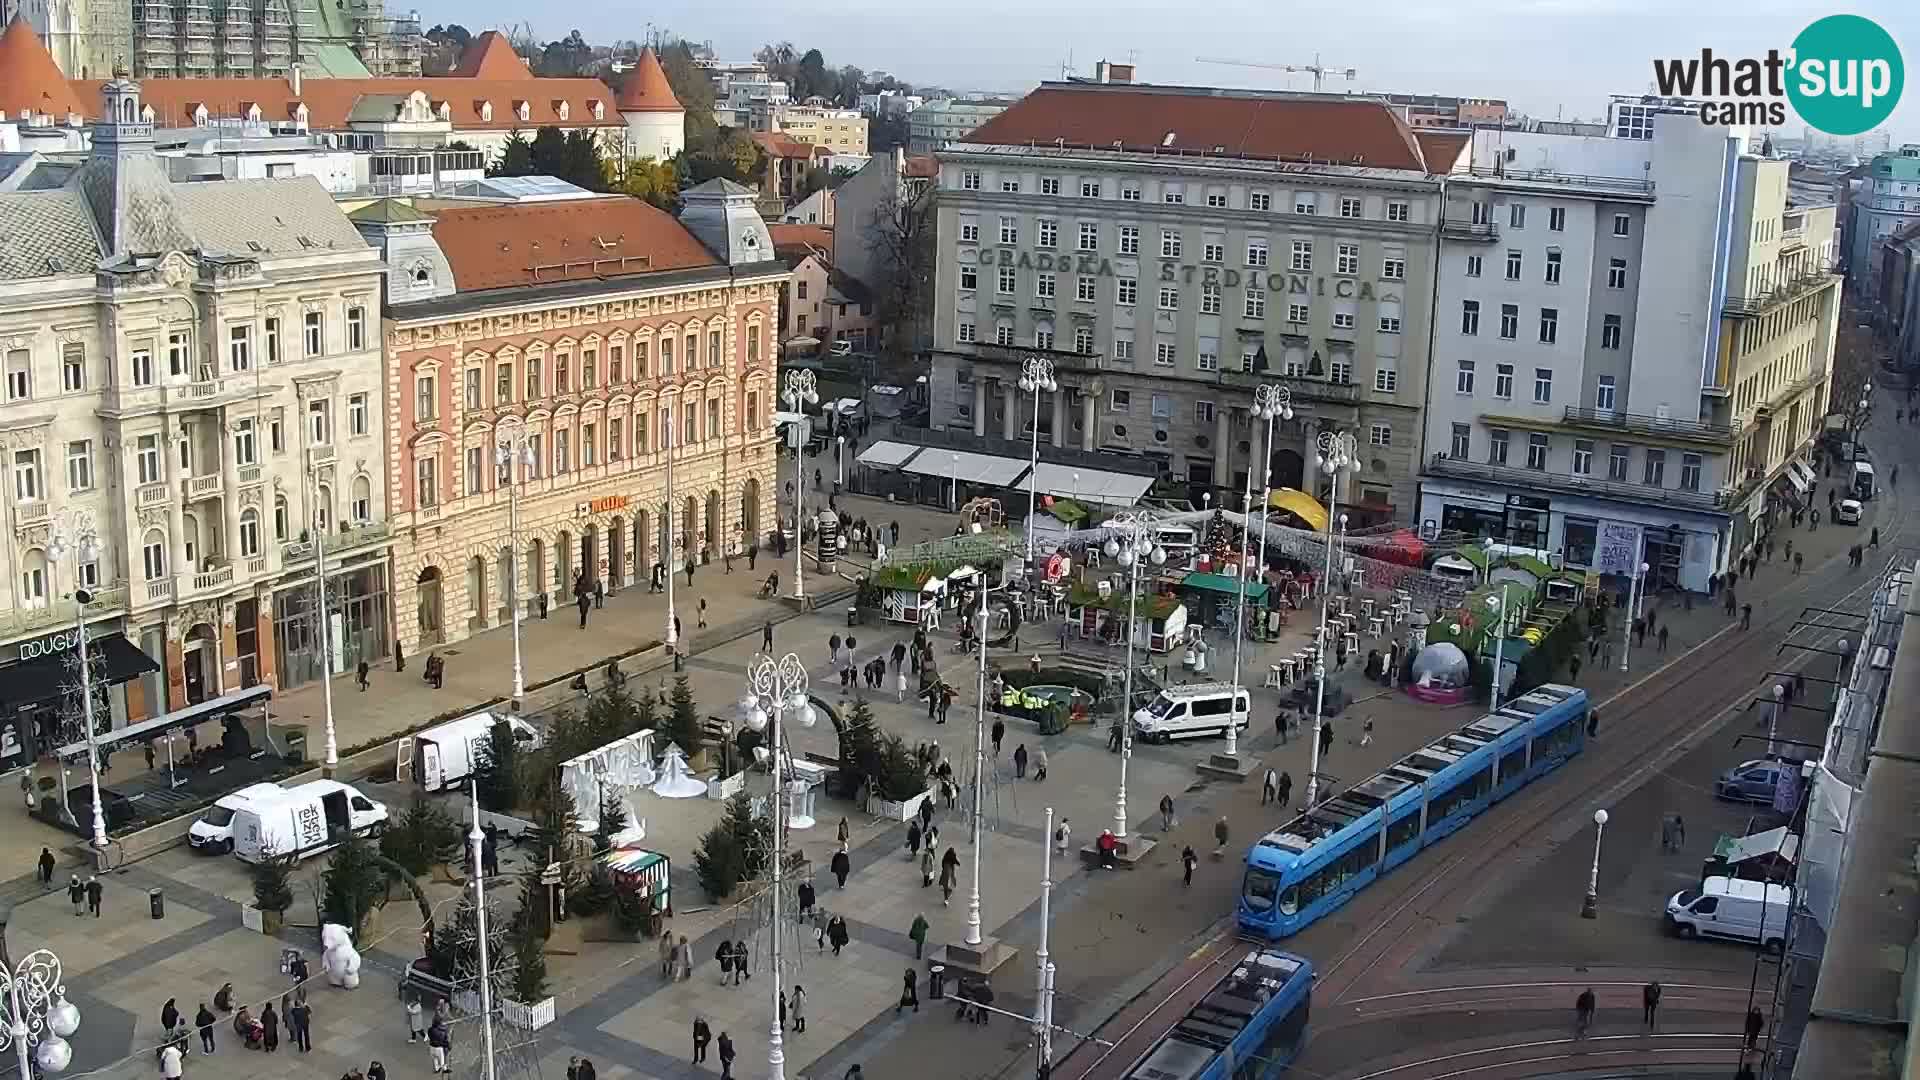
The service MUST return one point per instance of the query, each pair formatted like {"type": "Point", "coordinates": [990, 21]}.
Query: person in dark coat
{"type": "Point", "coordinates": [269, 1028]}
{"type": "Point", "coordinates": [806, 898]}
{"type": "Point", "coordinates": [94, 889]}
{"type": "Point", "coordinates": [76, 895]}
{"type": "Point", "coordinates": [702, 1035]}
{"type": "Point", "coordinates": [46, 868]}
{"type": "Point", "coordinates": [724, 954]}
{"type": "Point", "coordinates": [913, 838]}
{"type": "Point", "coordinates": [300, 1020]}
{"type": "Point", "coordinates": [204, 1020]}
{"type": "Point", "coordinates": [726, 1044]}
{"type": "Point", "coordinates": [909, 991]}
{"type": "Point", "coordinates": [999, 732]}
{"type": "Point", "coordinates": [169, 1016]}
{"type": "Point", "coordinates": [837, 934]}
{"type": "Point", "coordinates": [841, 866]}
{"type": "Point", "coordinates": [1020, 762]}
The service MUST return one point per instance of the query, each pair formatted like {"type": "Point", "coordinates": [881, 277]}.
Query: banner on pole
{"type": "Point", "coordinates": [1618, 549]}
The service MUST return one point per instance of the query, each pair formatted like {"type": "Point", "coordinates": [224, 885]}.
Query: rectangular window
{"type": "Point", "coordinates": [1306, 202]}
{"type": "Point", "coordinates": [1089, 236]}
{"type": "Point", "coordinates": [969, 232]}
{"type": "Point", "coordinates": [1389, 324]}
{"type": "Point", "coordinates": [80, 465]}
{"type": "Point", "coordinates": [1517, 215]}
{"type": "Point", "coordinates": [1086, 288]}
{"type": "Point", "coordinates": [1616, 273]}
{"type": "Point", "coordinates": [1169, 298]}
{"type": "Point", "coordinates": [357, 415]}
{"type": "Point", "coordinates": [1557, 219]}
{"type": "Point", "coordinates": [1503, 381]}
{"type": "Point", "coordinates": [26, 476]}
{"type": "Point", "coordinates": [1009, 281]}
{"type": "Point", "coordinates": [19, 375]}
{"type": "Point", "coordinates": [272, 343]}
{"type": "Point", "coordinates": [470, 390]}
{"type": "Point", "coordinates": [1609, 331]}
{"type": "Point", "coordinates": [753, 346]}
{"type": "Point", "coordinates": [1583, 457]}
{"type": "Point", "coordinates": [1549, 325]}
{"type": "Point", "coordinates": [1120, 401]}
{"type": "Point", "coordinates": [1347, 260]}
{"type": "Point", "coordinates": [1655, 472]}
{"type": "Point", "coordinates": [1349, 207]}
{"type": "Point", "coordinates": [1164, 354]}
{"type": "Point", "coordinates": [1470, 316]}
{"type": "Point", "coordinates": [1213, 251]}
{"type": "Point", "coordinates": [641, 360]}
{"type": "Point", "coordinates": [1207, 360]}
{"type": "Point", "coordinates": [426, 482]}
{"type": "Point", "coordinates": [1537, 451]}
{"type": "Point", "coordinates": [589, 445]}
{"type": "Point", "coordinates": [476, 470]}
{"type": "Point", "coordinates": [314, 327]}
{"type": "Point", "coordinates": [73, 367]}
{"type": "Point", "coordinates": [1298, 313]}
{"type": "Point", "coordinates": [1259, 200]}
{"type": "Point", "coordinates": [1010, 185]}
{"type": "Point", "coordinates": [1474, 264]}
{"type": "Point", "coordinates": [1380, 435]}
{"type": "Point", "coordinates": [179, 355]}
{"type": "Point", "coordinates": [1049, 185]}
{"type": "Point", "coordinates": [1083, 340]}
{"type": "Point", "coordinates": [562, 451]}
{"type": "Point", "coordinates": [964, 332]}
{"type": "Point", "coordinates": [239, 348]}
{"type": "Point", "coordinates": [1130, 191]}
{"type": "Point", "coordinates": [1617, 463]}
{"type": "Point", "coordinates": [1129, 239]}
{"type": "Point", "coordinates": [319, 423]}
{"type": "Point", "coordinates": [1622, 225]}
{"type": "Point", "coordinates": [1256, 304]}
{"type": "Point", "coordinates": [1497, 439]}
{"type": "Point", "coordinates": [1393, 269]}
{"type": "Point", "coordinates": [1202, 411]}
{"type": "Point", "coordinates": [1173, 193]}
{"type": "Point", "coordinates": [1123, 347]}
{"type": "Point", "coordinates": [1343, 320]}
{"type": "Point", "coordinates": [1553, 268]}
{"type": "Point", "coordinates": [1302, 255]}
{"type": "Point", "coordinates": [1049, 233]}
{"type": "Point", "coordinates": [1509, 322]}
{"type": "Point", "coordinates": [1690, 472]}
{"type": "Point", "coordinates": [147, 459]}
{"type": "Point", "coordinates": [1043, 337]}
{"type": "Point", "coordinates": [1399, 211]}
{"type": "Point", "coordinates": [1461, 447]}
{"type": "Point", "coordinates": [1463, 377]}
{"type": "Point", "coordinates": [1003, 334]}
{"type": "Point", "coordinates": [356, 329]}
{"type": "Point", "coordinates": [1089, 189]}
{"type": "Point", "coordinates": [1603, 394]}
{"type": "Point", "coordinates": [1385, 379]}
{"type": "Point", "coordinates": [1209, 299]}
{"type": "Point", "coordinates": [503, 384]}
{"type": "Point", "coordinates": [426, 406]}
{"type": "Point", "coordinates": [1216, 198]}
{"type": "Point", "coordinates": [1043, 286]}
{"type": "Point", "coordinates": [970, 180]}
{"type": "Point", "coordinates": [244, 450]}
{"type": "Point", "coordinates": [1514, 260]}
{"type": "Point", "coordinates": [1009, 230]}
{"type": "Point", "coordinates": [616, 357]}
{"type": "Point", "coordinates": [1256, 252]}
{"type": "Point", "coordinates": [969, 278]}
{"type": "Point", "coordinates": [1169, 244]}
{"type": "Point", "coordinates": [277, 434]}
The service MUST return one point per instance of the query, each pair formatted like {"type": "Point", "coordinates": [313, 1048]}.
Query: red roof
{"type": "Point", "coordinates": [1442, 148]}
{"type": "Point", "coordinates": [330, 101]}
{"type": "Point", "coordinates": [922, 167]}
{"type": "Point", "coordinates": [497, 247]}
{"type": "Point", "coordinates": [817, 237]}
{"type": "Point", "coordinates": [1185, 120]}
{"type": "Point", "coordinates": [781, 145]}
{"type": "Point", "coordinates": [489, 56]}
{"type": "Point", "coordinates": [647, 88]}
{"type": "Point", "coordinates": [29, 79]}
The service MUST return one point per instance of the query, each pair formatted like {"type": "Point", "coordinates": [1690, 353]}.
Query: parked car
{"type": "Point", "coordinates": [1755, 911]}
{"type": "Point", "coordinates": [1848, 512]}
{"type": "Point", "coordinates": [842, 347]}
{"type": "Point", "coordinates": [1752, 781]}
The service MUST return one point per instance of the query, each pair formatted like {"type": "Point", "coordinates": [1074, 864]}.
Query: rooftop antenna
{"type": "Point", "coordinates": [1319, 71]}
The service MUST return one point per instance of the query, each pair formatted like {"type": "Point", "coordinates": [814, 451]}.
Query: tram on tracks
{"type": "Point", "coordinates": [1250, 1026]}
{"type": "Point", "coordinates": [1319, 860]}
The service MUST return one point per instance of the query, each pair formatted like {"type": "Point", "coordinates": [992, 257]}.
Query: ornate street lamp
{"type": "Point", "coordinates": [1036, 374]}
{"type": "Point", "coordinates": [1131, 537]}
{"type": "Point", "coordinates": [73, 534]}
{"type": "Point", "coordinates": [1338, 455]}
{"type": "Point", "coordinates": [515, 450]}
{"type": "Point", "coordinates": [39, 1018]}
{"type": "Point", "coordinates": [1270, 403]}
{"type": "Point", "coordinates": [800, 390]}
{"type": "Point", "coordinates": [777, 689]}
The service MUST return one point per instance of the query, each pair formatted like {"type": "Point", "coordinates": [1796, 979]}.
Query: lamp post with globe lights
{"type": "Point", "coordinates": [514, 456]}
{"type": "Point", "coordinates": [1130, 538]}
{"type": "Point", "coordinates": [1636, 592]}
{"type": "Point", "coordinates": [73, 534]}
{"type": "Point", "coordinates": [1339, 454]}
{"type": "Point", "coordinates": [39, 1018]}
{"type": "Point", "coordinates": [775, 689]}
{"type": "Point", "coordinates": [1036, 374]}
{"type": "Point", "coordinates": [1590, 907]}
{"type": "Point", "coordinates": [799, 391]}
{"type": "Point", "coordinates": [1270, 403]}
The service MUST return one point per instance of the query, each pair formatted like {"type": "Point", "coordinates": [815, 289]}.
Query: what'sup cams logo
{"type": "Point", "coordinates": [1843, 75]}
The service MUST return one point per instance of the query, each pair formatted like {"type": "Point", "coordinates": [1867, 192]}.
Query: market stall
{"type": "Point", "coordinates": [646, 875]}
{"type": "Point", "coordinates": [1100, 613]}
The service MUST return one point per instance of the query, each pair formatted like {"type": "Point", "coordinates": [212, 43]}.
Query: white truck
{"type": "Point", "coordinates": [446, 756]}
{"type": "Point", "coordinates": [303, 821]}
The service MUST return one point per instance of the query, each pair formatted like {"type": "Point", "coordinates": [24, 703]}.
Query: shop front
{"type": "Point", "coordinates": [39, 678]}
{"type": "Point", "coordinates": [359, 622]}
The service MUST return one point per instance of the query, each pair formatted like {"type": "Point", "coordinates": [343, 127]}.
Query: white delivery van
{"type": "Point", "coordinates": [213, 831]}
{"type": "Point", "coordinates": [1863, 480]}
{"type": "Point", "coordinates": [447, 755]}
{"type": "Point", "coordinates": [305, 820]}
{"type": "Point", "coordinates": [1183, 712]}
{"type": "Point", "coordinates": [1755, 911]}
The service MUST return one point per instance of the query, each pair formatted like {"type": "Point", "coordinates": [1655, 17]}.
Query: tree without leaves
{"type": "Point", "coordinates": [900, 235]}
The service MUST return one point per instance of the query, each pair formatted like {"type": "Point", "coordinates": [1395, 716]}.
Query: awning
{"type": "Point", "coordinates": [1300, 505]}
{"type": "Point", "coordinates": [212, 708]}
{"type": "Point", "coordinates": [1090, 485]}
{"type": "Point", "coordinates": [1805, 470]}
{"type": "Point", "coordinates": [1771, 842]}
{"type": "Point", "coordinates": [968, 468]}
{"type": "Point", "coordinates": [1799, 482]}
{"type": "Point", "coordinates": [886, 455]}
{"type": "Point", "coordinates": [48, 676]}
{"type": "Point", "coordinates": [1225, 585]}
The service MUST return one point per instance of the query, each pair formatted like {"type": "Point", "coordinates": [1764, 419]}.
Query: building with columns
{"type": "Point", "coordinates": [193, 374]}
{"type": "Point", "coordinates": [1171, 248]}
{"type": "Point", "coordinates": [599, 338]}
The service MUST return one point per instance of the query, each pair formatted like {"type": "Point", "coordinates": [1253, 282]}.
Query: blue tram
{"type": "Point", "coordinates": [1250, 1026]}
{"type": "Point", "coordinates": [1320, 859]}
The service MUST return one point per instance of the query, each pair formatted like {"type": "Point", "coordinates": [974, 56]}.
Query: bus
{"type": "Point", "coordinates": [1319, 860]}
{"type": "Point", "coordinates": [1250, 1026]}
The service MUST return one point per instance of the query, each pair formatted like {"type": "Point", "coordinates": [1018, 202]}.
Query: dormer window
{"type": "Point", "coordinates": [199, 112]}
{"type": "Point", "coordinates": [599, 109]}
{"type": "Point", "coordinates": [300, 114]}
{"type": "Point", "coordinates": [252, 111]}
{"type": "Point", "coordinates": [443, 110]}
{"type": "Point", "coordinates": [486, 111]}
{"type": "Point", "coordinates": [560, 109]}
{"type": "Point", "coordinates": [523, 110]}
{"type": "Point", "coordinates": [146, 113]}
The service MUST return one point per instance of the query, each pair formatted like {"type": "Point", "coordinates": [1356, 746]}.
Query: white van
{"type": "Point", "coordinates": [213, 831]}
{"type": "Point", "coordinates": [304, 821]}
{"type": "Point", "coordinates": [1724, 907]}
{"type": "Point", "coordinates": [1863, 481]}
{"type": "Point", "coordinates": [1184, 712]}
{"type": "Point", "coordinates": [446, 756]}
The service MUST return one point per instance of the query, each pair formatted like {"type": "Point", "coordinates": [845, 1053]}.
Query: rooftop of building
{"type": "Point", "coordinates": [645, 88]}
{"type": "Point", "coordinates": [499, 247]}
{"type": "Point", "coordinates": [801, 239]}
{"type": "Point", "coordinates": [1208, 121]}
{"type": "Point", "coordinates": [779, 144]}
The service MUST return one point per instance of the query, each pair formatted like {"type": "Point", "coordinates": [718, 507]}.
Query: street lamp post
{"type": "Point", "coordinates": [1273, 403]}
{"type": "Point", "coordinates": [1269, 403]}
{"type": "Point", "coordinates": [1590, 907]}
{"type": "Point", "coordinates": [319, 523]}
{"type": "Point", "coordinates": [953, 491]}
{"type": "Point", "coordinates": [74, 534]}
{"type": "Point", "coordinates": [39, 1017]}
{"type": "Point", "coordinates": [800, 390]}
{"type": "Point", "coordinates": [476, 840]}
{"type": "Point", "coordinates": [1130, 538]}
{"type": "Point", "coordinates": [1636, 589]}
{"type": "Point", "coordinates": [1339, 453]}
{"type": "Point", "coordinates": [776, 687]}
{"type": "Point", "coordinates": [1773, 715]}
{"type": "Point", "coordinates": [1036, 374]}
{"type": "Point", "coordinates": [1043, 969]}
{"type": "Point", "coordinates": [840, 461]}
{"type": "Point", "coordinates": [1498, 605]}
{"type": "Point", "coordinates": [511, 451]}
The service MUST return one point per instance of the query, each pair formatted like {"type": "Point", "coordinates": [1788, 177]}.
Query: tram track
{"type": "Point", "coordinates": [1557, 1056]}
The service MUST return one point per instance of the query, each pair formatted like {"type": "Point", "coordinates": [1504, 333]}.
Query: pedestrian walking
{"type": "Point", "coordinates": [797, 1001]}
{"type": "Point", "coordinates": [1679, 832]}
{"type": "Point", "coordinates": [726, 1044]}
{"type": "Point", "coordinates": [1166, 813]}
{"type": "Point", "coordinates": [1366, 732]}
{"type": "Point", "coordinates": [1650, 1006]}
{"type": "Point", "coordinates": [1219, 836]}
{"type": "Point", "coordinates": [170, 1062]}
{"type": "Point", "coordinates": [1756, 1023]}
{"type": "Point", "coordinates": [723, 955]}
{"type": "Point", "coordinates": [702, 1035]}
{"type": "Point", "coordinates": [913, 838]}
{"type": "Point", "coordinates": [689, 571]}
{"type": "Point", "coordinates": [1062, 836]}
{"type": "Point", "coordinates": [1663, 639]}
{"type": "Point", "coordinates": [1583, 1012]}
{"type": "Point", "coordinates": [1280, 726]}
{"type": "Point", "coordinates": [1746, 616]}
{"type": "Point", "coordinates": [926, 867]}
{"type": "Point", "coordinates": [1019, 762]}
{"type": "Point", "coordinates": [900, 687]}
{"type": "Point", "coordinates": [999, 732]}
{"type": "Point", "coordinates": [1040, 764]}
{"type": "Point", "coordinates": [94, 889]}
{"type": "Point", "coordinates": [300, 1024]}
{"type": "Point", "coordinates": [1593, 723]}
{"type": "Point", "coordinates": [46, 868]}
{"type": "Point", "coordinates": [1285, 795]}
{"type": "Point", "coordinates": [416, 1019]}
{"type": "Point", "coordinates": [1326, 737]}
{"type": "Point", "coordinates": [666, 956]}
{"type": "Point", "coordinates": [543, 615]}
{"type": "Point", "coordinates": [766, 637]}
{"type": "Point", "coordinates": [269, 1029]}
{"type": "Point", "coordinates": [841, 865]}
{"type": "Point", "coordinates": [1188, 860]}
{"type": "Point", "coordinates": [949, 875]}
{"type": "Point", "coordinates": [1573, 668]}
{"type": "Point", "coordinates": [1269, 787]}
{"type": "Point", "coordinates": [837, 933]}
{"type": "Point", "coordinates": [917, 933]}
{"type": "Point", "coordinates": [204, 1021]}
{"type": "Point", "coordinates": [702, 623]}
{"type": "Point", "coordinates": [909, 991]}
{"type": "Point", "coordinates": [169, 1016]}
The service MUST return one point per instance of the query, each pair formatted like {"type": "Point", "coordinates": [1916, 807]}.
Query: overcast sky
{"type": "Point", "coordinates": [1544, 56]}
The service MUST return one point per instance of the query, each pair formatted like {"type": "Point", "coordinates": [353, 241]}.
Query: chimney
{"type": "Point", "coordinates": [1120, 73]}
{"type": "Point", "coordinates": [296, 80]}
{"type": "Point", "coordinates": [1101, 71]}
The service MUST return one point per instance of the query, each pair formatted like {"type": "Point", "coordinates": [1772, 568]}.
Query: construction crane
{"type": "Point", "coordinates": [1319, 71]}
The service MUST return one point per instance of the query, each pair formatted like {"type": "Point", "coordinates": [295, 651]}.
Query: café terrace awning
{"type": "Point", "coordinates": [1090, 485]}
{"type": "Point", "coordinates": [968, 468]}
{"type": "Point", "coordinates": [886, 454]}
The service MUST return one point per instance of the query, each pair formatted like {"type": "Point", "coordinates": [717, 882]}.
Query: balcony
{"type": "Point", "coordinates": [1485, 232]}
{"type": "Point", "coordinates": [18, 620]}
{"type": "Point", "coordinates": [159, 592]}
{"type": "Point", "coordinates": [1302, 387]}
{"type": "Point", "coordinates": [1613, 420]}
{"type": "Point", "coordinates": [346, 540]}
{"type": "Point", "coordinates": [202, 487]}
{"type": "Point", "coordinates": [207, 393]}
{"type": "Point", "coordinates": [1541, 480]}
{"type": "Point", "coordinates": [1807, 283]}
{"type": "Point", "coordinates": [320, 455]}
{"type": "Point", "coordinates": [29, 513]}
{"type": "Point", "coordinates": [211, 581]}
{"type": "Point", "coordinates": [151, 495]}
{"type": "Point", "coordinates": [1615, 187]}
{"type": "Point", "coordinates": [249, 475]}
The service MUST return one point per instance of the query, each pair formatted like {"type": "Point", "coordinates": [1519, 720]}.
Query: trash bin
{"type": "Point", "coordinates": [936, 982]}
{"type": "Point", "coordinates": [157, 903]}
{"type": "Point", "coordinates": [853, 614]}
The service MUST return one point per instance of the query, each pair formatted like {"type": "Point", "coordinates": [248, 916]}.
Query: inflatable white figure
{"type": "Point", "coordinates": [338, 958]}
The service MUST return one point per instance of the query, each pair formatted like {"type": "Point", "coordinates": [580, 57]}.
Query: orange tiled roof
{"type": "Point", "coordinates": [1187, 120]}
{"type": "Point", "coordinates": [29, 79]}
{"type": "Point", "coordinates": [1441, 148]}
{"type": "Point", "coordinates": [782, 145]}
{"type": "Point", "coordinates": [817, 237]}
{"type": "Point", "coordinates": [922, 167]}
{"type": "Point", "coordinates": [330, 101]}
{"type": "Point", "coordinates": [489, 56]}
{"type": "Point", "coordinates": [647, 88]}
{"type": "Point", "coordinates": [498, 247]}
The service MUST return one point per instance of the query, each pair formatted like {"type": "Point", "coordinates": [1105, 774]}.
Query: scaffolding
{"type": "Point", "coordinates": [236, 39]}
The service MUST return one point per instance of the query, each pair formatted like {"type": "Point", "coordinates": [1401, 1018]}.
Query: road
{"type": "Point", "coordinates": [1465, 963]}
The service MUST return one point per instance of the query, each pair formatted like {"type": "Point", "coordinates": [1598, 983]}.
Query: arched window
{"type": "Point", "coordinates": [250, 533]}
{"type": "Point", "coordinates": [282, 520]}
{"type": "Point", "coordinates": [33, 579]}
{"type": "Point", "coordinates": [153, 554]}
{"type": "Point", "coordinates": [362, 500]}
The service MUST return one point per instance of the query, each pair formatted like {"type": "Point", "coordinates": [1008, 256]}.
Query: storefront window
{"type": "Point", "coordinates": [358, 623]}
{"type": "Point", "coordinates": [1581, 536]}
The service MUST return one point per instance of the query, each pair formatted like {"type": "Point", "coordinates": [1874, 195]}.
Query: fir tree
{"type": "Point", "coordinates": [683, 717]}
{"type": "Point", "coordinates": [529, 961]}
{"type": "Point", "coordinates": [352, 886]}
{"type": "Point", "coordinates": [752, 836]}
{"type": "Point", "coordinates": [498, 772]}
{"type": "Point", "coordinates": [612, 715]}
{"type": "Point", "coordinates": [717, 862]}
{"type": "Point", "coordinates": [516, 156]}
{"type": "Point", "coordinates": [423, 835]}
{"type": "Point", "coordinates": [613, 818]}
{"type": "Point", "coordinates": [271, 888]}
{"type": "Point", "coordinates": [454, 954]}
{"type": "Point", "coordinates": [646, 711]}
{"type": "Point", "coordinates": [556, 832]}
{"type": "Point", "coordinates": [859, 742]}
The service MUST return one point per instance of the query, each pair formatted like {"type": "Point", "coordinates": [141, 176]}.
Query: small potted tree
{"type": "Point", "coordinates": [530, 1007]}
{"type": "Point", "coordinates": [896, 782]}
{"type": "Point", "coordinates": [272, 891]}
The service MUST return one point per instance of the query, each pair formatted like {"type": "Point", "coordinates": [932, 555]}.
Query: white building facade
{"type": "Point", "coordinates": [1887, 201]}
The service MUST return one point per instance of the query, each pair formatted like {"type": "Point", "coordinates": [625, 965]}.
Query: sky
{"type": "Point", "coordinates": [1546, 57]}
